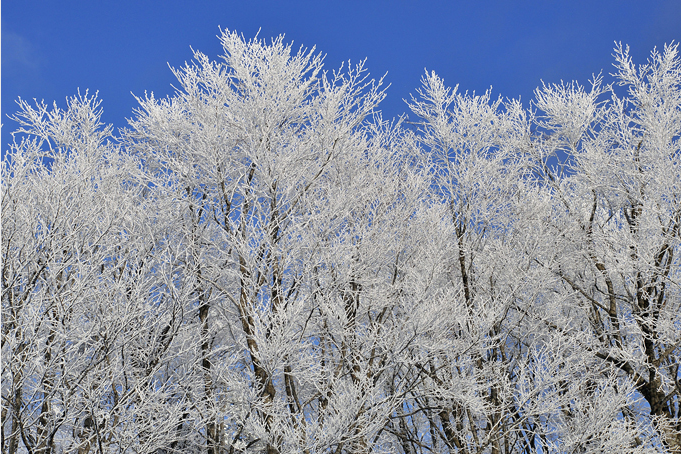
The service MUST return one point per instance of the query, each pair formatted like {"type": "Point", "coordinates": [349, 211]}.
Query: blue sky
{"type": "Point", "coordinates": [52, 48]}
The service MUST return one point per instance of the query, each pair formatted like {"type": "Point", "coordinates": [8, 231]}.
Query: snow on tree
{"type": "Point", "coordinates": [261, 263]}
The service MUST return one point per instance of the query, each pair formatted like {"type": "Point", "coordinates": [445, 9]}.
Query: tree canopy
{"type": "Point", "coordinates": [262, 263]}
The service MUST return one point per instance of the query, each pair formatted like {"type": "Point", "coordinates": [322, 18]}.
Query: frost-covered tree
{"type": "Point", "coordinates": [261, 263]}
{"type": "Point", "coordinates": [295, 215]}
{"type": "Point", "coordinates": [85, 327]}
{"type": "Point", "coordinates": [611, 239]}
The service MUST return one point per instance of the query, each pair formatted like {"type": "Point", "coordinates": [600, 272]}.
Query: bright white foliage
{"type": "Point", "coordinates": [261, 263]}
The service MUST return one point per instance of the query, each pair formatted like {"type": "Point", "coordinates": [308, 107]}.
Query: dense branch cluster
{"type": "Point", "coordinates": [261, 263]}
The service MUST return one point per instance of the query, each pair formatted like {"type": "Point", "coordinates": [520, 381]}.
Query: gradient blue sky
{"type": "Point", "coordinates": [52, 48]}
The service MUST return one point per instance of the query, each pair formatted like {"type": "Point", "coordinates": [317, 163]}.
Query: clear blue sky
{"type": "Point", "coordinates": [52, 48]}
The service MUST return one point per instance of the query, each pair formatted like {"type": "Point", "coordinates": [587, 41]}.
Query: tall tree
{"type": "Point", "coordinates": [261, 263]}
{"type": "Point", "coordinates": [81, 312]}
{"type": "Point", "coordinates": [614, 225]}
